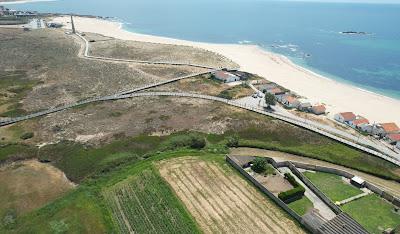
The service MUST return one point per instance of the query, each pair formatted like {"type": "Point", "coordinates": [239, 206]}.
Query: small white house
{"type": "Point", "coordinates": [225, 77]}
{"type": "Point", "coordinates": [358, 122]}
{"type": "Point", "coordinates": [345, 117]}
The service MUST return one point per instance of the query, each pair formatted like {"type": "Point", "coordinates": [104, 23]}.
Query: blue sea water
{"type": "Point", "coordinates": [306, 32]}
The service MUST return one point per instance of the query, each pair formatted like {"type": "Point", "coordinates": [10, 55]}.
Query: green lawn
{"type": "Point", "coordinates": [374, 213]}
{"type": "Point", "coordinates": [332, 185]}
{"type": "Point", "coordinates": [301, 206]}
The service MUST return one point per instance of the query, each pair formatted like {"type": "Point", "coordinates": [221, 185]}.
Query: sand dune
{"type": "Point", "coordinates": [337, 96]}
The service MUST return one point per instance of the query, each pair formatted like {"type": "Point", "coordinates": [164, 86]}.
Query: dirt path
{"type": "Point", "coordinates": [221, 201]}
{"type": "Point", "coordinates": [390, 186]}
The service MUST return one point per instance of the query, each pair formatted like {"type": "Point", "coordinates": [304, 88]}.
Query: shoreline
{"type": "Point", "coordinates": [338, 96]}
{"type": "Point", "coordinates": [24, 1]}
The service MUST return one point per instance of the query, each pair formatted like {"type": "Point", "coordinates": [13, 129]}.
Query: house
{"type": "Point", "coordinates": [318, 109]}
{"type": "Point", "coordinates": [264, 88]}
{"type": "Point", "coordinates": [384, 129]}
{"type": "Point", "coordinates": [393, 138]}
{"type": "Point", "coordinates": [357, 181]}
{"type": "Point", "coordinates": [276, 91]}
{"type": "Point", "coordinates": [290, 101]}
{"type": "Point", "coordinates": [389, 128]}
{"type": "Point", "coordinates": [358, 122]}
{"type": "Point", "coordinates": [304, 106]}
{"type": "Point", "coordinates": [398, 145]}
{"type": "Point", "coordinates": [345, 117]}
{"type": "Point", "coordinates": [225, 77]}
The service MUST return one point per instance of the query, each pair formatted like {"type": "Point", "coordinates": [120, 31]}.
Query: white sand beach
{"type": "Point", "coordinates": [338, 97]}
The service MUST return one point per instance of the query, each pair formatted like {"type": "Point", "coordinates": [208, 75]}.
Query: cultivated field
{"type": "Point", "coordinates": [145, 204]}
{"type": "Point", "coordinates": [221, 201]}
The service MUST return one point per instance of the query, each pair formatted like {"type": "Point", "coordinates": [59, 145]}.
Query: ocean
{"type": "Point", "coordinates": [306, 32]}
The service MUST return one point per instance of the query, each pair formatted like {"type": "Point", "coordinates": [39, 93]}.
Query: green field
{"type": "Point", "coordinates": [301, 206]}
{"type": "Point", "coordinates": [146, 204]}
{"type": "Point", "coordinates": [332, 185]}
{"type": "Point", "coordinates": [374, 213]}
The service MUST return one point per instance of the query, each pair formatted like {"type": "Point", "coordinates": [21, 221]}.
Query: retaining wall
{"type": "Point", "coordinates": [264, 190]}
{"type": "Point", "coordinates": [385, 195]}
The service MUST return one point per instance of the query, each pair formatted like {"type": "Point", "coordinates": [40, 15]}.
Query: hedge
{"type": "Point", "coordinates": [294, 194]}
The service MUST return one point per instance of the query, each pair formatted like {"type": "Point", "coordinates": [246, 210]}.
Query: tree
{"type": "Point", "coordinates": [270, 99]}
{"type": "Point", "coordinates": [259, 165]}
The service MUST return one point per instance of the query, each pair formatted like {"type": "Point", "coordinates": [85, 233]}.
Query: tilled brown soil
{"type": "Point", "coordinates": [221, 201]}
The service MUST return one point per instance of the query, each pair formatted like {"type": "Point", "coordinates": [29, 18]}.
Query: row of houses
{"type": "Point", "coordinates": [288, 100]}
{"type": "Point", "coordinates": [388, 131]}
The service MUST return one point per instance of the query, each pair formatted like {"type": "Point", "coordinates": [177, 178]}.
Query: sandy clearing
{"type": "Point", "coordinates": [222, 201]}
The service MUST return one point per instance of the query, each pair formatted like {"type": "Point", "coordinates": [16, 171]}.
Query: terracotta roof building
{"type": "Point", "coordinates": [389, 128]}
{"type": "Point", "coordinates": [345, 117]}
{"type": "Point", "coordinates": [318, 109]}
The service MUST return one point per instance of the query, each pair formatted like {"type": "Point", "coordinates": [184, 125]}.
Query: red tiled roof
{"type": "Point", "coordinates": [291, 99]}
{"type": "Point", "coordinates": [275, 90]}
{"type": "Point", "coordinates": [222, 75]}
{"type": "Point", "coordinates": [360, 121]}
{"type": "Point", "coordinates": [319, 108]}
{"type": "Point", "coordinates": [348, 116]}
{"type": "Point", "coordinates": [390, 127]}
{"type": "Point", "coordinates": [394, 137]}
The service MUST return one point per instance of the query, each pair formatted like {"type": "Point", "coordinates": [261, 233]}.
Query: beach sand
{"type": "Point", "coordinates": [338, 97]}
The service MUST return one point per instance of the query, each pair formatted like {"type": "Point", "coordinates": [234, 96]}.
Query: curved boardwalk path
{"type": "Point", "coordinates": [136, 93]}
{"type": "Point", "coordinates": [86, 55]}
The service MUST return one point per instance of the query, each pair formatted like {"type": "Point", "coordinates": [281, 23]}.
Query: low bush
{"type": "Point", "coordinates": [192, 140]}
{"type": "Point", "coordinates": [27, 135]}
{"type": "Point", "coordinates": [294, 194]}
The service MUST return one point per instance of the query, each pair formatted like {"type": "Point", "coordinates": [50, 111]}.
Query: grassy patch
{"type": "Point", "coordinates": [235, 92]}
{"type": "Point", "coordinates": [80, 211]}
{"type": "Point", "coordinates": [14, 86]}
{"type": "Point", "coordinates": [301, 206]}
{"type": "Point", "coordinates": [332, 185]}
{"type": "Point", "coordinates": [330, 152]}
{"type": "Point", "coordinates": [373, 213]}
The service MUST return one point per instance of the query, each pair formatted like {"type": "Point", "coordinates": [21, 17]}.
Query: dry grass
{"type": "Point", "coordinates": [51, 73]}
{"type": "Point", "coordinates": [155, 52]}
{"type": "Point", "coordinates": [221, 201]}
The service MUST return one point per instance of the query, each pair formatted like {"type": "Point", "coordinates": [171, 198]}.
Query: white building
{"type": "Point", "coordinates": [225, 77]}
{"type": "Point", "coordinates": [345, 117]}
{"type": "Point", "coordinates": [398, 145]}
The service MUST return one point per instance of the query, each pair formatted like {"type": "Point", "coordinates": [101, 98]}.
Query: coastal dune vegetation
{"type": "Point", "coordinates": [109, 148]}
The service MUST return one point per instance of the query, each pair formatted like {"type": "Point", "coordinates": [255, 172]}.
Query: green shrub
{"type": "Point", "coordinates": [294, 194]}
{"type": "Point", "coordinates": [233, 141]}
{"type": "Point", "coordinates": [192, 140]}
{"type": "Point", "coordinates": [27, 135]}
{"type": "Point", "coordinates": [259, 165]}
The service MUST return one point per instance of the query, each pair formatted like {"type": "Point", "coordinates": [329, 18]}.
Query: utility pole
{"type": "Point", "coordinates": [73, 25]}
